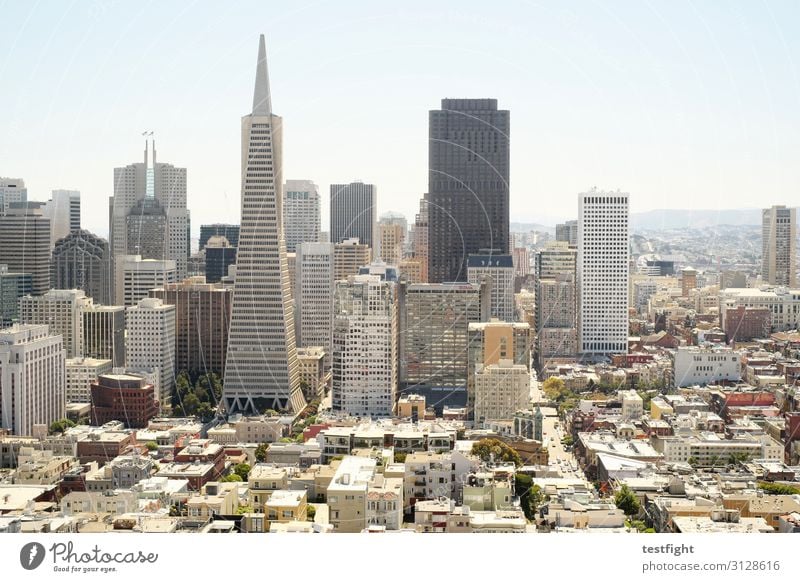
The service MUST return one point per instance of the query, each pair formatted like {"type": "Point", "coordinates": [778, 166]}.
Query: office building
{"type": "Point", "coordinates": [81, 260]}
{"type": "Point", "coordinates": [419, 240]}
{"type": "Point", "coordinates": [301, 213]}
{"type": "Point", "coordinates": [501, 389]}
{"type": "Point", "coordinates": [12, 191]}
{"type": "Point", "coordinates": [779, 246]}
{"type": "Point", "coordinates": [12, 287]}
{"type": "Point", "coordinates": [219, 255]}
{"type": "Point", "coordinates": [25, 244]}
{"type": "Point", "coordinates": [603, 267]}
{"type": "Point", "coordinates": [468, 185]}
{"type": "Point", "coordinates": [32, 378]}
{"type": "Point", "coordinates": [126, 398]}
{"type": "Point", "coordinates": [261, 365]}
{"type": "Point", "coordinates": [314, 295]}
{"type": "Point", "coordinates": [783, 304]}
{"type": "Point", "coordinates": [150, 342]}
{"type": "Point", "coordinates": [499, 271]}
{"type": "Point", "coordinates": [229, 231]}
{"type": "Point", "coordinates": [568, 232]}
{"type": "Point", "coordinates": [556, 258]}
{"type": "Point", "coordinates": [434, 321]}
{"type": "Point", "coordinates": [136, 276]}
{"type": "Point", "coordinates": [104, 333]}
{"type": "Point", "coordinates": [64, 211]}
{"type": "Point", "coordinates": [348, 257]}
{"type": "Point", "coordinates": [80, 374]}
{"type": "Point", "coordinates": [491, 343]}
{"type": "Point", "coordinates": [354, 213]}
{"type": "Point", "coordinates": [364, 346]}
{"type": "Point", "coordinates": [62, 311]}
{"type": "Point", "coordinates": [202, 316]}
{"type": "Point", "coordinates": [392, 230]}
{"type": "Point", "coordinates": [148, 214]}
{"type": "Point", "coordinates": [696, 365]}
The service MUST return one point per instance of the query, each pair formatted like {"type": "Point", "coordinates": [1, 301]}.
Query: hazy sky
{"type": "Point", "coordinates": [683, 103]}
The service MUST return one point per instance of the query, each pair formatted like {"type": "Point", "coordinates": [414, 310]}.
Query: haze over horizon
{"type": "Point", "coordinates": [681, 112]}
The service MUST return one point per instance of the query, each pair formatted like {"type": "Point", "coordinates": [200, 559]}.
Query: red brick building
{"type": "Point", "coordinates": [123, 397]}
{"type": "Point", "coordinates": [744, 324]}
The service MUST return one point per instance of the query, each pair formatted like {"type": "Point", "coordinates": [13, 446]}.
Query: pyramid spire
{"type": "Point", "coordinates": [262, 104]}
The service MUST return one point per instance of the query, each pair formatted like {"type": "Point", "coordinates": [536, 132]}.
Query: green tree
{"type": "Point", "coordinates": [495, 449]}
{"type": "Point", "coordinates": [779, 489]}
{"type": "Point", "coordinates": [60, 426]}
{"type": "Point", "coordinates": [190, 404]}
{"type": "Point", "coordinates": [554, 389]}
{"type": "Point", "coordinates": [311, 511]}
{"type": "Point", "coordinates": [151, 445]}
{"type": "Point", "coordinates": [243, 470]}
{"type": "Point", "coordinates": [736, 458]}
{"type": "Point", "coordinates": [261, 452]}
{"type": "Point", "coordinates": [530, 495]}
{"type": "Point", "coordinates": [232, 478]}
{"type": "Point", "coordinates": [400, 457]}
{"type": "Point", "coordinates": [625, 500]}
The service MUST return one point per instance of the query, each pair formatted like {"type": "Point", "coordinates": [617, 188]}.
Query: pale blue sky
{"type": "Point", "coordinates": [682, 103]}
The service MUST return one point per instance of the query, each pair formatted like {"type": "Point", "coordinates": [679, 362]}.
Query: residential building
{"type": "Point", "coordinates": [468, 178]}
{"type": "Point", "coordinates": [556, 318]}
{"type": "Point", "coordinates": [603, 266]}
{"type": "Point", "coordinates": [202, 317]}
{"type": "Point", "coordinates": [779, 246]}
{"type": "Point", "coordinates": [353, 213]}
{"type": "Point", "coordinates": [315, 376]}
{"type": "Point", "coordinates": [151, 342]}
{"type": "Point", "coordinates": [364, 375]}
{"type": "Point", "coordinates": [385, 502]}
{"type": "Point", "coordinates": [744, 324]}
{"type": "Point", "coordinates": [783, 303]}
{"type": "Point", "coordinates": [499, 271]}
{"type": "Point", "coordinates": [81, 260]}
{"type": "Point", "coordinates": [347, 494]}
{"type": "Point", "coordinates": [32, 378]}
{"type": "Point", "coordinates": [500, 390]}
{"type": "Point", "coordinates": [490, 343]}
{"type": "Point", "coordinates": [285, 506]}
{"type": "Point", "coordinates": [261, 365]}
{"type": "Point", "coordinates": [301, 213]}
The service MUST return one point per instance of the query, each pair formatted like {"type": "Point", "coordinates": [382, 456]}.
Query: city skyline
{"type": "Point", "coordinates": [589, 109]}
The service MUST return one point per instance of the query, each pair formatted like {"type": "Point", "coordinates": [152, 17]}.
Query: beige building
{"type": "Point", "coordinates": [348, 256]}
{"type": "Point", "coordinates": [500, 390]}
{"type": "Point", "coordinates": [214, 499]}
{"type": "Point", "coordinates": [263, 481]}
{"type": "Point", "coordinates": [285, 506]}
{"type": "Point", "coordinates": [391, 238]}
{"type": "Point", "coordinates": [314, 378]}
{"type": "Point", "coordinates": [347, 494]}
{"type": "Point", "coordinates": [414, 269]}
{"type": "Point", "coordinates": [410, 406]}
{"type": "Point", "coordinates": [41, 467]}
{"type": "Point", "coordinates": [385, 502]}
{"type": "Point", "coordinates": [81, 373]}
{"type": "Point", "coordinates": [779, 246]}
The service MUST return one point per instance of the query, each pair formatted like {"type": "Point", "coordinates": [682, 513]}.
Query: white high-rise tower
{"type": "Point", "coordinates": [261, 366]}
{"type": "Point", "coordinates": [603, 263]}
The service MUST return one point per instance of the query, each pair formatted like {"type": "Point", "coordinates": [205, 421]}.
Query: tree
{"type": "Point", "coordinates": [736, 458]}
{"type": "Point", "coordinates": [311, 511]}
{"type": "Point", "coordinates": [400, 457]}
{"type": "Point", "coordinates": [625, 500]}
{"type": "Point", "coordinates": [60, 426]}
{"type": "Point", "coordinates": [553, 388]}
{"type": "Point", "coordinates": [261, 452]}
{"type": "Point", "coordinates": [779, 489]}
{"type": "Point", "coordinates": [243, 470]}
{"type": "Point", "coordinates": [567, 441]}
{"type": "Point", "coordinates": [530, 495]}
{"type": "Point", "coordinates": [151, 445]}
{"type": "Point", "coordinates": [232, 478]}
{"type": "Point", "coordinates": [495, 450]}
{"type": "Point", "coordinates": [693, 461]}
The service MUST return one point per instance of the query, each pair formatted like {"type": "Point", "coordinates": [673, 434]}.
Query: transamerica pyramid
{"type": "Point", "coordinates": [261, 365]}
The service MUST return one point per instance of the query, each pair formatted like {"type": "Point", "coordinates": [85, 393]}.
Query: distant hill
{"type": "Point", "coordinates": [672, 219]}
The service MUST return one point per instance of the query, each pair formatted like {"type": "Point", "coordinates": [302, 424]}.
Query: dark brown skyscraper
{"type": "Point", "coordinates": [468, 161]}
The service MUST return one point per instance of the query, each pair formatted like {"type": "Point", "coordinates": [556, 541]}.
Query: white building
{"type": "Point", "coordinates": [32, 378]}
{"type": "Point", "coordinates": [365, 346]}
{"type": "Point", "coordinates": [314, 295]}
{"type": "Point", "coordinates": [261, 364]}
{"type": "Point", "coordinates": [603, 265]}
{"type": "Point", "coordinates": [136, 276]}
{"type": "Point", "coordinates": [501, 390]}
{"type": "Point", "coordinates": [151, 341]}
{"type": "Point", "coordinates": [779, 246]}
{"type": "Point", "coordinates": [699, 365]}
{"type": "Point", "coordinates": [632, 405]}
{"type": "Point", "coordinates": [385, 502]}
{"type": "Point", "coordinates": [301, 213]}
{"type": "Point", "coordinates": [12, 191]}
{"type": "Point", "coordinates": [64, 211]}
{"type": "Point", "coordinates": [61, 310]}
{"type": "Point", "coordinates": [784, 303]}
{"type": "Point", "coordinates": [81, 372]}
{"type": "Point", "coordinates": [499, 269]}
